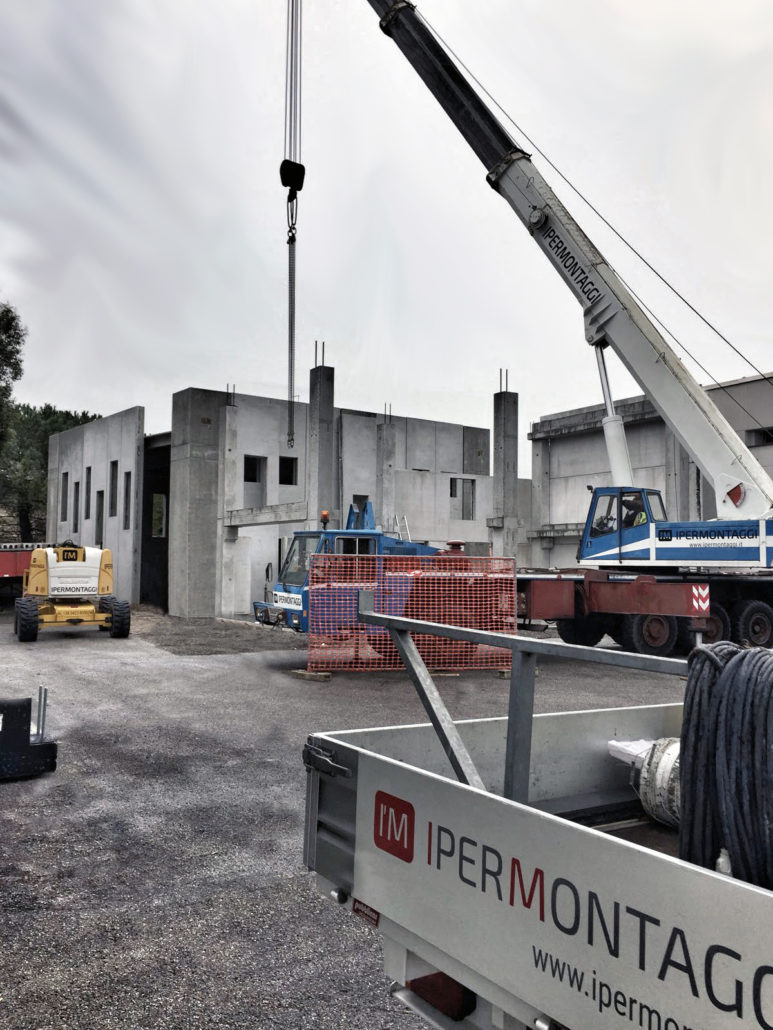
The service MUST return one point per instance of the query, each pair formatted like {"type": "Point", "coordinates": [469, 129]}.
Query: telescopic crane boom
{"type": "Point", "coordinates": [611, 315]}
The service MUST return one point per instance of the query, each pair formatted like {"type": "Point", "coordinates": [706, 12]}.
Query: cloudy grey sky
{"type": "Point", "coordinates": [143, 236]}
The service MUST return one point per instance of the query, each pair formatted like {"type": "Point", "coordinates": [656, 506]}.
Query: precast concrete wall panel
{"type": "Point", "coordinates": [449, 444]}
{"type": "Point", "coordinates": [420, 445]}
{"type": "Point", "coordinates": [86, 454]}
{"type": "Point", "coordinates": [262, 432]}
{"type": "Point", "coordinates": [358, 459]}
{"type": "Point", "coordinates": [477, 459]}
{"type": "Point", "coordinates": [415, 499]}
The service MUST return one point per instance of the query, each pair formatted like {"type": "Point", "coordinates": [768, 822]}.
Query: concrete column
{"type": "Point", "coordinates": [321, 456]}
{"type": "Point", "coordinates": [503, 527]}
{"type": "Point", "coordinates": [195, 509]}
{"type": "Point", "coordinates": [229, 490]}
{"type": "Point", "coordinates": [386, 462]}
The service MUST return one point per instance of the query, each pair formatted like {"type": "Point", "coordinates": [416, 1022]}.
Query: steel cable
{"type": "Point", "coordinates": [726, 761]}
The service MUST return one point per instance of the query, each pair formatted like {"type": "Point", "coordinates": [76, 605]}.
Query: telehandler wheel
{"type": "Point", "coordinates": [122, 618]}
{"type": "Point", "coordinates": [105, 604]}
{"type": "Point", "coordinates": [26, 619]}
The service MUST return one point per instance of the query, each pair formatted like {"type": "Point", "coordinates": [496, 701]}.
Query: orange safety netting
{"type": "Point", "coordinates": [478, 593]}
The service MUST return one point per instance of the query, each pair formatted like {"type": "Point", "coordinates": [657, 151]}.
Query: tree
{"type": "Point", "coordinates": [12, 336]}
{"type": "Point", "coordinates": [24, 463]}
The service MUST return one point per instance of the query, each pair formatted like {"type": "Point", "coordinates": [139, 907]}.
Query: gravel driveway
{"type": "Point", "coordinates": [155, 880]}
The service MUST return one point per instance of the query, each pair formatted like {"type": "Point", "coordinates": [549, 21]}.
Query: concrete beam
{"type": "Point", "coordinates": [295, 511]}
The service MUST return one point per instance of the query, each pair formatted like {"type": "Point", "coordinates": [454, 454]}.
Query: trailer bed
{"type": "Point", "coordinates": [571, 910]}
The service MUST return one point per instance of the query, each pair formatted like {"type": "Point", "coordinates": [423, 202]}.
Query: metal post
{"type": "Point", "coordinates": [42, 705]}
{"type": "Point", "coordinates": [519, 721]}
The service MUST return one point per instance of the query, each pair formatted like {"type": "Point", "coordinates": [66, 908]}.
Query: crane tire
{"type": "Point", "coordinates": [586, 630]}
{"type": "Point", "coordinates": [753, 623]}
{"type": "Point", "coordinates": [719, 628]}
{"type": "Point", "coordinates": [122, 617]}
{"type": "Point", "coordinates": [650, 634]}
{"type": "Point", "coordinates": [26, 619]}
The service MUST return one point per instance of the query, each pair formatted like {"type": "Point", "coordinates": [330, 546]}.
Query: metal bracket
{"type": "Point", "coordinates": [392, 13]}
{"type": "Point", "coordinates": [323, 760]}
{"type": "Point", "coordinates": [499, 169]}
{"type": "Point", "coordinates": [596, 316]}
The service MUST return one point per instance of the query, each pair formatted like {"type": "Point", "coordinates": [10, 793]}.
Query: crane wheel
{"type": "Point", "coordinates": [586, 630]}
{"type": "Point", "coordinates": [122, 617]}
{"type": "Point", "coordinates": [753, 623]}
{"type": "Point", "coordinates": [719, 628]}
{"type": "Point", "coordinates": [26, 619]}
{"type": "Point", "coordinates": [650, 634]}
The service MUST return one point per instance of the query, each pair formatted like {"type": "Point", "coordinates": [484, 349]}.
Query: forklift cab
{"type": "Point", "coordinates": [618, 524]}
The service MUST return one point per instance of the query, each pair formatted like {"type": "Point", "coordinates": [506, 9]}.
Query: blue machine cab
{"type": "Point", "coordinates": [290, 603]}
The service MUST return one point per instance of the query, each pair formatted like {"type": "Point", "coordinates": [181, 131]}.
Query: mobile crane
{"type": "Point", "coordinates": [741, 604]}
{"type": "Point", "coordinates": [536, 905]}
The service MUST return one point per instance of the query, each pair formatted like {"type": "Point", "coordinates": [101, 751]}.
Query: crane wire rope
{"type": "Point", "coordinates": [767, 378]}
{"type": "Point", "coordinates": [292, 175]}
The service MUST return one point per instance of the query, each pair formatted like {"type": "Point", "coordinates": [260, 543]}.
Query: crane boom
{"type": "Point", "coordinates": [611, 315]}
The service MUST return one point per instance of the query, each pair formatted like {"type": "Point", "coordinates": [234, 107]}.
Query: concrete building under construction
{"type": "Point", "coordinates": [198, 518]}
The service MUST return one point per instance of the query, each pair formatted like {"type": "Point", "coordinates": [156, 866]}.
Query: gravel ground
{"type": "Point", "coordinates": [155, 880]}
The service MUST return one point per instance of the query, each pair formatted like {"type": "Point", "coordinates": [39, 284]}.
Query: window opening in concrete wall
{"type": "Point", "coordinates": [76, 503]}
{"type": "Point", "coordinates": [127, 500]}
{"type": "Point", "coordinates": [158, 516]}
{"type": "Point", "coordinates": [288, 471]}
{"type": "Point", "coordinates": [87, 495]}
{"type": "Point", "coordinates": [253, 473]}
{"type": "Point", "coordinates": [99, 527]}
{"type": "Point", "coordinates": [759, 437]}
{"type": "Point", "coordinates": [462, 495]}
{"type": "Point", "coordinates": [112, 504]}
{"type": "Point", "coordinates": [254, 481]}
{"type": "Point", "coordinates": [65, 491]}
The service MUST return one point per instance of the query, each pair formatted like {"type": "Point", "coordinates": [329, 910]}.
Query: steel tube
{"type": "Point", "coordinates": [554, 648]}
{"type": "Point", "coordinates": [435, 708]}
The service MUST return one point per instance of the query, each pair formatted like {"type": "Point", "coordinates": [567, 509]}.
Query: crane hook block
{"type": "Point", "coordinates": [292, 174]}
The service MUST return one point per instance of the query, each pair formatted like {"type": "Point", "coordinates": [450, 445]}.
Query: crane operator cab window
{"type": "Point", "coordinates": [634, 513]}
{"type": "Point", "coordinates": [604, 518]}
{"type": "Point", "coordinates": [355, 545]}
{"type": "Point", "coordinates": [296, 565]}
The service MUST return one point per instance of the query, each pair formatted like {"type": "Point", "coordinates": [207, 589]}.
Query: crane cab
{"type": "Point", "coordinates": [619, 525]}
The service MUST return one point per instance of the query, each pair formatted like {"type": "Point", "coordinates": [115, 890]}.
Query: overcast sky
{"type": "Point", "coordinates": [144, 228]}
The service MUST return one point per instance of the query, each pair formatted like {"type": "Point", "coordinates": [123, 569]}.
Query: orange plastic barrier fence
{"type": "Point", "coordinates": [478, 593]}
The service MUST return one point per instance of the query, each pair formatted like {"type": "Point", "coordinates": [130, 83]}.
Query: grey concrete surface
{"type": "Point", "coordinates": [155, 880]}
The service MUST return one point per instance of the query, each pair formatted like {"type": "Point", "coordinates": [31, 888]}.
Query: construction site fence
{"type": "Point", "coordinates": [472, 592]}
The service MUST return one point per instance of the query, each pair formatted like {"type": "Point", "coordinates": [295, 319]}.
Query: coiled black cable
{"type": "Point", "coordinates": [726, 761]}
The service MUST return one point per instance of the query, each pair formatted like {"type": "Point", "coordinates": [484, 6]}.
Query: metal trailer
{"type": "Point", "coordinates": [504, 863]}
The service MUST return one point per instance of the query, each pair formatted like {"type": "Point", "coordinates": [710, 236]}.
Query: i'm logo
{"type": "Point", "coordinates": [393, 826]}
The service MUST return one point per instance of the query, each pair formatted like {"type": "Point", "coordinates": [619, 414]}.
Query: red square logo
{"type": "Point", "coordinates": [394, 822]}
